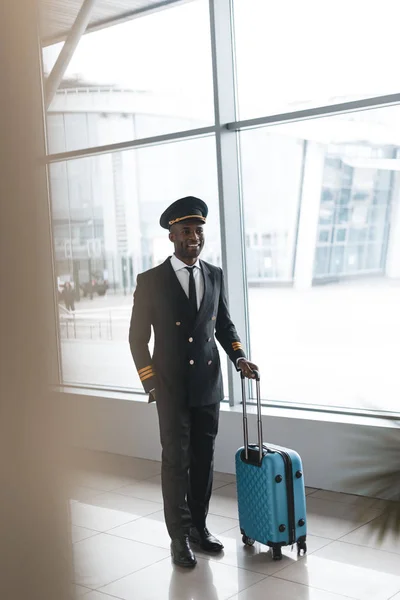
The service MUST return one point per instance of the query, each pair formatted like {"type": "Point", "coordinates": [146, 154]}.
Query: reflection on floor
{"type": "Point", "coordinates": [121, 548]}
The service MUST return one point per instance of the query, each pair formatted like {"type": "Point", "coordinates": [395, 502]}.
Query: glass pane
{"type": "Point", "coordinates": [326, 213]}
{"type": "Point", "coordinates": [324, 236]}
{"type": "Point", "coordinates": [295, 55]}
{"type": "Point", "coordinates": [145, 77]}
{"type": "Point", "coordinates": [374, 256]}
{"type": "Point", "coordinates": [337, 257]}
{"type": "Point", "coordinates": [340, 235]}
{"type": "Point", "coordinates": [271, 173]}
{"type": "Point", "coordinates": [358, 234]}
{"type": "Point", "coordinates": [106, 230]}
{"type": "Point", "coordinates": [335, 343]}
{"type": "Point", "coordinates": [322, 255]}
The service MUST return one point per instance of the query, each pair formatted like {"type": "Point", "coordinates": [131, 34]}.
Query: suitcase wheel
{"type": "Point", "coordinates": [277, 553]}
{"type": "Point", "coordinates": [301, 547]}
{"type": "Point", "coordinates": [247, 541]}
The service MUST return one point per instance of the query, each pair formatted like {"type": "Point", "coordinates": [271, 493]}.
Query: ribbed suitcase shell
{"type": "Point", "coordinates": [263, 497]}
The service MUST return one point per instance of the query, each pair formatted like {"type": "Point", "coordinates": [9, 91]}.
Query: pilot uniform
{"type": "Point", "coordinates": [184, 370]}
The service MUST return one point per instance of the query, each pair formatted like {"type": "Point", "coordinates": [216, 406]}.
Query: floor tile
{"type": "Point", "coordinates": [381, 562]}
{"type": "Point", "coordinates": [127, 504]}
{"type": "Point", "coordinates": [361, 573]}
{"type": "Point", "coordinates": [219, 484]}
{"type": "Point", "coordinates": [103, 482]}
{"type": "Point", "coordinates": [138, 468]}
{"type": "Point", "coordinates": [81, 591]}
{"type": "Point", "coordinates": [310, 490]}
{"type": "Point", "coordinates": [117, 464]}
{"type": "Point", "coordinates": [148, 489]}
{"type": "Point", "coordinates": [228, 490]}
{"type": "Point", "coordinates": [81, 533]}
{"type": "Point", "coordinates": [83, 494]}
{"type": "Point", "coordinates": [350, 499]}
{"type": "Point", "coordinates": [217, 524]}
{"type": "Point", "coordinates": [149, 530]}
{"type": "Point", "coordinates": [152, 529]}
{"type": "Point", "coordinates": [367, 535]}
{"type": "Point", "coordinates": [257, 558]}
{"type": "Point", "coordinates": [224, 477]}
{"type": "Point", "coordinates": [224, 502]}
{"type": "Point", "coordinates": [104, 558]}
{"type": "Point", "coordinates": [98, 518]}
{"type": "Point", "coordinates": [95, 595]}
{"type": "Point", "coordinates": [335, 519]}
{"type": "Point", "coordinates": [163, 581]}
{"type": "Point", "coordinates": [278, 589]}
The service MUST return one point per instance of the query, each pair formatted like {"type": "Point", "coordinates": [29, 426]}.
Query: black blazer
{"type": "Point", "coordinates": [185, 364]}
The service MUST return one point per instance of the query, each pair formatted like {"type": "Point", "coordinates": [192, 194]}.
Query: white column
{"type": "Point", "coordinates": [35, 549]}
{"type": "Point", "coordinates": [308, 218]}
{"type": "Point", "coordinates": [393, 253]}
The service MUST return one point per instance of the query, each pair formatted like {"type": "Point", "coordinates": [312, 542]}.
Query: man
{"type": "Point", "coordinates": [184, 300]}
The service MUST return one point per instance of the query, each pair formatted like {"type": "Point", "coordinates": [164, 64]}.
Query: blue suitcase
{"type": "Point", "coordinates": [270, 490]}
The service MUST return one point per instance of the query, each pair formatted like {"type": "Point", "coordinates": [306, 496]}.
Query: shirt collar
{"type": "Point", "coordinates": [178, 264]}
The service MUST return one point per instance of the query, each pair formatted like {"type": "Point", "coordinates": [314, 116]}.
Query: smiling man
{"type": "Point", "coordinates": [184, 300]}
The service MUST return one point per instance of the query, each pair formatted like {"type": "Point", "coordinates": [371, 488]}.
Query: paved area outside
{"type": "Point", "coordinates": [336, 345]}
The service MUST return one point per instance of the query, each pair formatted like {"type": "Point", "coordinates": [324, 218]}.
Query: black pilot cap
{"type": "Point", "coordinates": [184, 209]}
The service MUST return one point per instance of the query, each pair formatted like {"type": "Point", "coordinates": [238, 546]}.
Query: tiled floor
{"type": "Point", "coordinates": [121, 547]}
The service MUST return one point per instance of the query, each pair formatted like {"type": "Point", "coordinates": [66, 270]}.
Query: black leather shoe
{"type": "Point", "coordinates": [181, 552]}
{"type": "Point", "coordinates": [204, 539]}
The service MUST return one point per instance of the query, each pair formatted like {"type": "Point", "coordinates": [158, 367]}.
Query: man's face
{"type": "Point", "coordinates": [188, 239]}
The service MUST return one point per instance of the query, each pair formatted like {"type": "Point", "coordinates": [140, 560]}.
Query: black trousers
{"type": "Point", "coordinates": [188, 440]}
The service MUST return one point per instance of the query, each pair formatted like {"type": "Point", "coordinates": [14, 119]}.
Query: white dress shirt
{"type": "Point", "coordinates": [183, 275]}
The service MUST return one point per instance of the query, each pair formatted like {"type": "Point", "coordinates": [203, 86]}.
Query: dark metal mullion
{"type": "Point", "coordinates": [317, 112]}
{"type": "Point", "coordinates": [131, 144]}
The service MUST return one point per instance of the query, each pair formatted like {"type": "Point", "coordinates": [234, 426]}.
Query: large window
{"type": "Point", "coordinates": [145, 77]}
{"type": "Point", "coordinates": [293, 55]}
{"type": "Point", "coordinates": [322, 207]}
{"type": "Point", "coordinates": [106, 230]}
{"type": "Point", "coordinates": [304, 209]}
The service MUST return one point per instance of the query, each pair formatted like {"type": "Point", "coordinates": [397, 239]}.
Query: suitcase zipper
{"type": "Point", "coordinates": [290, 493]}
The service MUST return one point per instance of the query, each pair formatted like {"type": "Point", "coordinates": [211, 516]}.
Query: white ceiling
{"type": "Point", "coordinates": [58, 16]}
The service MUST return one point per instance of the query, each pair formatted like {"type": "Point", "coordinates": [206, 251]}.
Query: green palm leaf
{"type": "Point", "coordinates": [375, 469]}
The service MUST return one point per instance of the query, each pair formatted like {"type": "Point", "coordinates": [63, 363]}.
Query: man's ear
{"type": "Point", "coordinates": [171, 236]}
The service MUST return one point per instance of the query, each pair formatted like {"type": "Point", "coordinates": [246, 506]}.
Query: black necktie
{"type": "Point", "coordinates": [192, 293]}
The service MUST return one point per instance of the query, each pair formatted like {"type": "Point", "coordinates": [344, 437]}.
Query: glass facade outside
{"type": "Point", "coordinates": [316, 298]}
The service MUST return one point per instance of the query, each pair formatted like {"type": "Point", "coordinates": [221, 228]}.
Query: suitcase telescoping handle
{"type": "Point", "coordinates": [259, 423]}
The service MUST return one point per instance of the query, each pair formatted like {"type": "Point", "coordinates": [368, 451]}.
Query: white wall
{"type": "Point", "coordinates": [327, 448]}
